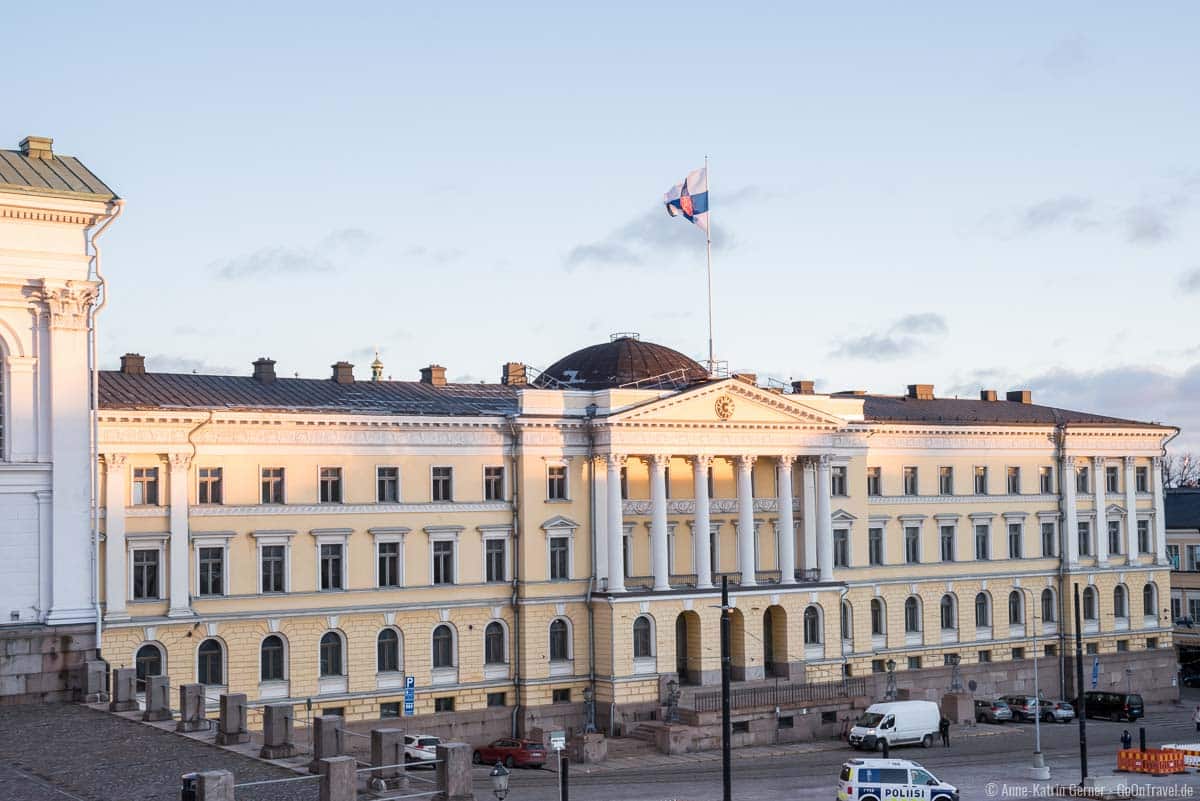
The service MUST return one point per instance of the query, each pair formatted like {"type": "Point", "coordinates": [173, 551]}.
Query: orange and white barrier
{"type": "Point", "coordinates": [1190, 751]}
{"type": "Point", "coordinates": [1156, 762]}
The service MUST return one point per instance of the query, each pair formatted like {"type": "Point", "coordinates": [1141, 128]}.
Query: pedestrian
{"type": "Point", "coordinates": [1196, 717]}
{"type": "Point", "coordinates": [1126, 740]}
{"type": "Point", "coordinates": [944, 730]}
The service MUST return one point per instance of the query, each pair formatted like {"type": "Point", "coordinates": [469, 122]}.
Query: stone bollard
{"type": "Point", "coordinates": [213, 785]}
{"type": "Point", "coordinates": [454, 773]}
{"type": "Point", "coordinates": [338, 779]}
{"type": "Point", "coordinates": [158, 698]}
{"type": "Point", "coordinates": [124, 690]}
{"type": "Point", "coordinates": [191, 708]}
{"type": "Point", "coordinates": [325, 740]}
{"type": "Point", "coordinates": [387, 748]}
{"type": "Point", "coordinates": [277, 732]}
{"type": "Point", "coordinates": [91, 682]}
{"type": "Point", "coordinates": [231, 727]}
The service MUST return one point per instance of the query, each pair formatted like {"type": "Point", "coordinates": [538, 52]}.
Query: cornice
{"type": "Point", "coordinates": [908, 500]}
{"type": "Point", "coordinates": [344, 509]}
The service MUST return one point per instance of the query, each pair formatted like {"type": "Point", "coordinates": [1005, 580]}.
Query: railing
{"type": "Point", "coordinates": [782, 695]}
{"type": "Point", "coordinates": [806, 575]}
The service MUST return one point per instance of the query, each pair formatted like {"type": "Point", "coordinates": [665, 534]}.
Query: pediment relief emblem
{"type": "Point", "coordinates": [724, 407]}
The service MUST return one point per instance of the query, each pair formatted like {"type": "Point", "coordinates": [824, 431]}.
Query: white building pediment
{"type": "Point", "coordinates": [729, 403]}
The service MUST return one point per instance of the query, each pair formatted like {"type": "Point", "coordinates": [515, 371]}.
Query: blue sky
{"type": "Point", "coordinates": [965, 195]}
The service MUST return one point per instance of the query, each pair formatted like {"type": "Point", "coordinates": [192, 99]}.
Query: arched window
{"type": "Point", "coordinates": [1089, 603]}
{"type": "Point", "coordinates": [847, 621]}
{"type": "Point", "coordinates": [1150, 599]}
{"type": "Point", "coordinates": [1120, 601]}
{"type": "Point", "coordinates": [947, 612]}
{"type": "Point", "coordinates": [271, 658]}
{"type": "Point", "coordinates": [560, 641]}
{"type": "Point", "coordinates": [148, 662]}
{"type": "Point", "coordinates": [443, 647]}
{"type": "Point", "coordinates": [1049, 608]}
{"type": "Point", "coordinates": [331, 654]}
{"type": "Point", "coordinates": [912, 614]}
{"type": "Point", "coordinates": [495, 650]}
{"type": "Point", "coordinates": [1016, 607]}
{"type": "Point", "coordinates": [812, 625]}
{"type": "Point", "coordinates": [210, 659]}
{"type": "Point", "coordinates": [387, 651]}
{"type": "Point", "coordinates": [643, 638]}
{"type": "Point", "coordinates": [983, 610]}
{"type": "Point", "coordinates": [878, 618]}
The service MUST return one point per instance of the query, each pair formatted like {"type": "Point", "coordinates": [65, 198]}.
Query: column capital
{"type": "Point", "coordinates": [179, 462]}
{"type": "Point", "coordinates": [1158, 462]}
{"type": "Point", "coordinates": [615, 461]}
{"type": "Point", "coordinates": [1069, 461]}
{"type": "Point", "coordinates": [1130, 461]}
{"type": "Point", "coordinates": [825, 460]}
{"type": "Point", "coordinates": [702, 461]}
{"type": "Point", "coordinates": [113, 462]}
{"type": "Point", "coordinates": [787, 460]}
{"type": "Point", "coordinates": [1099, 461]}
{"type": "Point", "coordinates": [658, 461]}
{"type": "Point", "coordinates": [745, 461]}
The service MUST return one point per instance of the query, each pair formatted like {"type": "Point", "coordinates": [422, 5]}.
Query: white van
{"type": "Point", "coordinates": [897, 723]}
{"type": "Point", "coordinates": [883, 779]}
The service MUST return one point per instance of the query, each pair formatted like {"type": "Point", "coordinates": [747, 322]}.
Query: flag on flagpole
{"type": "Point", "coordinates": [690, 198]}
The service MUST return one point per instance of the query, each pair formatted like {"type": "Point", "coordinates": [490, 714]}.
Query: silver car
{"type": "Point", "coordinates": [992, 711]}
{"type": "Point", "coordinates": [1057, 711]}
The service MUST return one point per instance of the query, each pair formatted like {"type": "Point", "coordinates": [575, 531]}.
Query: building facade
{"type": "Point", "coordinates": [1183, 553]}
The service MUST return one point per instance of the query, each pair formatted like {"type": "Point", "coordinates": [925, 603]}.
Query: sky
{"type": "Point", "coordinates": [970, 195]}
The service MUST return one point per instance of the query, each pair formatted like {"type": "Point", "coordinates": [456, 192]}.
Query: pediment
{"type": "Point", "coordinates": [1115, 510]}
{"type": "Point", "coordinates": [730, 403]}
{"type": "Point", "coordinates": [559, 522]}
{"type": "Point", "coordinates": [842, 516]}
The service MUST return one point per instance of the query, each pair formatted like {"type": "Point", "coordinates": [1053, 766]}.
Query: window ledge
{"type": "Point", "coordinates": [330, 685]}
{"type": "Point", "coordinates": [983, 633]}
{"type": "Point", "coordinates": [949, 635]}
{"type": "Point", "coordinates": [814, 651]}
{"type": "Point", "coordinates": [562, 667]}
{"type": "Point", "coordinates": [645, 664]}
{"type": "Point", "coordinates": [443, 676]}
{"type": "Point", "coordinates": [273, 689]}
{"type": "Point", "coordinates": [390, 680]}
{"type": "Point", "coordinates": [495, 671]}
{"type": "Point", "coordinates": [913, 638]}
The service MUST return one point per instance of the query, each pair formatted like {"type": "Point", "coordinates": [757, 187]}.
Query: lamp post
{"type": "Point", "coordinates": [672, 701]}
{"type": "Point", "coordinates": [890, 694]}
{"type": "Point", "coordinates": [1038, 770]}
{"type": "Point", "coordinates": [499, 776]}
{"type": "Point", "coordinates": [955, 680]}
{"type": "Point", "coordinates": [589, 710]}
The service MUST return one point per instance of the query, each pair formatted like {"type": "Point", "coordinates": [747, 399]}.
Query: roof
{"type": "Point", "coordinates": [966, 411]}
{"type": "Point", "coordinates": [1183, 507]}
{"type": "Point", "coordinates": [624, 360]}
{"type": "Point", "coordinates": [189, 391]}
{"type": "Point", "coordinates": [56, 175]}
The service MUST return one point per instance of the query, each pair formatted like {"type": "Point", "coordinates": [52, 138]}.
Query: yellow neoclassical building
{"type": "Point", "coordinates": [513, 545]}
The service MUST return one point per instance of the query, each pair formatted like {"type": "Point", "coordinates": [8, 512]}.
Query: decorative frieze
{"type": "Point", "coordinates": [346, 509]}
{"type": "Point", "coordinates": [687, 506]}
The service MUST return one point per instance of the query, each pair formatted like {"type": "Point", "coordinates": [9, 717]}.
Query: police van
{"type": "Point", "coordinates": [885, 779]}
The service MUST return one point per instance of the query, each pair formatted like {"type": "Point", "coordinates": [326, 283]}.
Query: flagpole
{"type": "Point", "coordinates": [712, 364]}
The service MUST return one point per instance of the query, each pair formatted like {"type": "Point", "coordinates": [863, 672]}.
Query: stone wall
{"type": "Point", "coordinates": [37, 663]}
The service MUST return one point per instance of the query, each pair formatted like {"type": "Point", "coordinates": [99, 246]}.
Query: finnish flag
{"type": "Point", "coordinates": [690, 198]}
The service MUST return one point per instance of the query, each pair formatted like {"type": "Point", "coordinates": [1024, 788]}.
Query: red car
{"type": "Point", "coordinates": [513, 753]}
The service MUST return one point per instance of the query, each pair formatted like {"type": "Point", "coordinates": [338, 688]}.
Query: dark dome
{"type": "Point", "coordinates": [623, 360]}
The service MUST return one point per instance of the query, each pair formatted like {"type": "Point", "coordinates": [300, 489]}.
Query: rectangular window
{"type": "Point", "coordinates": [493, 483]}
{"type": "Point", "coordinates": [981, 482]}
{"type": "Point", "coordinates": [443, 562]}
{"type": "Point", "coordinates": [1014, 481]}
{"type": "Point", "coordinates": [1082, 480]}
{"type": "Point", "coordinates": [145, 486]}
{"type": "Point", "coordinates": [1085, 539]}
{"type": "Point", "coordinates": [1018, 654]}
{"type": "Point", "coordinates": [1051, 650]}
{"type": "Point", "coordinates": [271, 483]}
{"type": "Point", "coordinates": [1114, 536]}
{"type": "Point", "coordinates": [910, 481]}
{"type": "Point", "coordinates": [1014, 541]}
{"type": "Point", "coordinates": [947, 658]}
{"type": "Point", "coordinates": [387, 485]}
{"type": "Point", "coordinates": [556, 482]}
{"type": "Point", "coordinates": [874, 481]}
{"type": "Point", "coordinates": [561, 695]}
{"type": "Point", "coordinates": [1048, 540]}
{"type": "Point", "coordinates": [912, 544]}
{"type": "Point", "coordinates": [274, 565]}
{"type": "Point", "coordinates": [1173, 556]}
{"type": "Point", "coordinates": [1046, 480]}
{"type": "Point", "coordinates": [985, 656]}
{"type": "Point", "coordinates": [914, 663]}
{"type": "Point", "coordinates": [875, 546]}
{"type": "Point", "coordinates": [837, 480]}
{"type": "Point", "coordinates": [389, 564]}
{"type": "Point", "coordinates": [442, 484]}
{"type": "Point", "coordinates": [331, 485]}
{"type": "Point", "coordinates": [560, 564]}
{"type": "Point", "coordinates": [212, 571]}
{"type": "Point", "coordinates": [947, 543]}
{"type": "Point", "coordinates": [497, 699]}
{"type": "Point", "coordinates": [209, 488]}
{"type": "Point", "coordinates": [1176, 608]}
{"type": "Point", "coordinates": [983, 549]}
{"type": "Point", "coordinates": [445, 704]}
{"type": "Point", "coordinates": [1194, 609]}
{"type": "Point", "coordinates": [1141, 476]}
{"type": "Point", "coordinates": [1151, 643]}
{"type": "Point", "coordinates": [389, 709]}
{"type": "Point", "coordinates": [1092, 649]}
{"type": "Point", "coordinates": [145, 575]}
{"type": "Point", "coordinates": [1122, 645]}
{"type": "Point", "coordinates": [496, 559]}
{"type": "Point", "coordinates": [331, 567]}
{"type": "Point", "coordinates": [841, 547]}
{"type": "Point", "coordinates": [1112, 480]}
{"type": "Point", "coordinates": [1143, 534]}
{"type": "Point", "coordinates": [945, 480]}
{"type": "Point", "coordinates": [877, 666]}
{"type": "Point", "coordinates": [1192, 556]}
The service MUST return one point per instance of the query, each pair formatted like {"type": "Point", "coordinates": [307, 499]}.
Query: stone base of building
{"type": "Point", "coordinates": [40, 664]}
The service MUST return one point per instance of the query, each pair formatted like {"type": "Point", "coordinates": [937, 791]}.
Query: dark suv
{"type": "Point", "coordinates": [1114, 706]}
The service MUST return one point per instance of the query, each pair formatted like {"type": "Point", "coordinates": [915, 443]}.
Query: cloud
{"type": "Point", "coordinates": [1068, 56]}
{"type": "Point", "coordinates": [1066, 211]}
{"type": "Point", "coordinates": [439, 256]}
{"type": "Point", "coordinates": [325, 256]}
{"type": "Point", "coordinates": [166, 363]}
{"type": "Point", "coordinates": [1190, 282]}
{"type": "Point", "coordinates": [908, 335]}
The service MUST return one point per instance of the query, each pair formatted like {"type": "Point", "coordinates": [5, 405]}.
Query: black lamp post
{"type": "Point", "coordinates": [891, 680]}
{"type": "Point", "coordinates": [955, 681]}
{"type": "Point", "coordinates": [672, 701]}
{"type": "Point", "coordinates": [499, 776]}
{"type": "Point", "coordinates": [589, 710]}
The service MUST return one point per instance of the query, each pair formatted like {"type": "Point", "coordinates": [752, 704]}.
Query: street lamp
{"type": "Point", "coordinates": [891, 680]}
{"type": "Point", "coordinates": [499, 776]}
{"type": "Point", "coordinates": [589, 710]}
{"type": "Point", "coordinates": [1038, 770]}
{"type": "Point", "coordinates": [672, 701]}
{"type": "Point", "coordinates": [955, 680]}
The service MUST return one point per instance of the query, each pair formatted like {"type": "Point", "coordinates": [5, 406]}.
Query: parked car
{"type": "Point", "coordinates": [992, 711]}
{"type": "Point", "coordinates": [1192, 680]}
{"type": "Point", "coordinates": [1114, 706]}
{"type": "Point", "coordinates": [1024, 707]}
{"type": "Point", "coordinates": [896, 723]}
{"type": "Point", "coordinates": [420, 748]}
{"type": "Point", "coordinates": [891, 778]}
{"type": "Point", "coordinates": [1057, 711]}
{"type": "Point", "coordinates": [513, 753]}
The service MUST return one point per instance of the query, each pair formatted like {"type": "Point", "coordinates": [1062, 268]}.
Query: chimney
{"type": "Point", "coordinates": [920, 391]}
{"type": "Point", "coordinates": [264, 370]}
{"type": "Point", "coordinates": [749, 378]}
{"type": "Point", "coordinates": [343, 372]}
{"type": "Point", "coordinates": [987, 394]}
{"type": "Point", "coordinates": [513, 374]}
{"type": "Point", "coordinates": [37, 147]}
{"type": "Point", "coordinates": [434, 374]}
{"type": "Point", "coordinates": [1019, 396]}
{"type": "Point", "coordinates": [856, 393]}
{"type": "Point", "coordinates": [803, 388]}
{"type": "Point", "coordinates": [133, 364]}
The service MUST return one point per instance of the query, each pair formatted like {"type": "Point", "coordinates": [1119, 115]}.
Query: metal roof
{"type": "Point", "coordinates": [57, 175]}
{"type": "Point", "coordinates": [623, 361]}
{"type": "Point", "coordinates": [966, 411]}
{"type": "Point", "coordinates": [1183, 507]}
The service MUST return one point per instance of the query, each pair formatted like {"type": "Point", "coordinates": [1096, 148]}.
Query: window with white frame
{"type": "Point", "coordinates": [643, 638]}
{"type": "Point", "coordinates": [441, 484]}
{"type": "Point", "coordinates": [144, 491]}
{"type": "Point", "coordinates": [1049, 607]}
{"type": "Point", "coordinates": [444, 648]}
{"type": "Point", "coordinates": [1194, 609]}
{"type": "Point", "coordinates": [330, 479]}
{"type": "Point", "coordinates": [556, 482]}
{"type": "Point", "coordinates": [949, 614]}
{"type": "Point", "coordinates": [271, 485]}
{"type": "Point", "coordinates": [1150, 600]}
{"type": "Point", "coordinates": [1114, 536]}
{"type": "Point", "coordinates": [272, 659]}
{"type": "Point", "coordinates": [1172, 554]}
{"type": "Point", "coordinates": [443, 554]}
{"type": "Point", "coordinates": [1046, 480]}
{"type": "Point", "coordinates": [983, 610]}
{"type": "Point", "coordinates": [983, 545]}
{"type": "Point", "coordinates": [874, 481]}
{"type": "Point", "coordinates": [841, 547]}
{"type": "Point", "coordinates": [1016, 607]}
{"type": "Point", "coordinates": [146, 573]}
{"type": "Point", "coordinates": [210, 565]}
{"type": "Point", "coordinates": [493, 483]}
{"type": "Point", "coordinates": [1141, 477]}
{"type": "Point", "coordinates": [1192, 556]}
{"type": "Point", "coordinates": [1112, 479]}
{"type": "Point", "coordinates": [981, 480]}
{"type": "Point", "coordinates": [812, 625]}
{"type": "Point", "coordinates": [1090, 611]}
{"type": "Point", "coordinates": [388, 651]}
{"type": "Point", "coordinates": [912, 544]}
{"type": "Point", "coordinates": [1120, 601]}
{"type": "Point", "coordinates": [945, 480]}
{"type": "Point", "coordinates": [1015, 533]}
{"type": "Point", "coordinates": [495, 559]}
{"type": "Point", "coordinates": [1083, 483]}
{"type": "Point", "coordinates": [911, 486]}
{"type": "Point", "coordinates": [714, 550]}
{"type": "Point", "coordinates": [912, 614]}
{"type": "Point", "coordinates": [331, 658]}
{"type": "Point", "coordinates": [560, 558]}
{"type": "Point", "coordinates": [560, 640]}
{"type": "Point", "coordinates": [1085, 538]}
{"type": "Point", "coordinates": [837, 480]}
{"type": "Point", "coordinates": [1143, 536]}
{"type": "Point", "coordinates": [274, 560]}
{"type": "Point", "coordinates": [387, 484]}
{"type": "Point", "coordinates": [878, 618]}
{"type": "Point", "coordinates": [946, 539]}
{"type": "Point", "coordinates": [333, 566]}
{"type": "Point", "coordinates": [210, 663]}
{"type": "Point", "coordinates": [208, 485]}
{"type": "Point", "coordinates": [1049, 539]}
{"type": "Point", "coordinates": [1014, 481]}
{"type": "Point", "coordinates": [875, 545]}
{"type": "Point", "coordinates": [495, 644]}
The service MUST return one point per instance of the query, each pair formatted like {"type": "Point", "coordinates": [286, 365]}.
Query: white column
{"type": "Point", "coordinates": [659, 547]}
{"type": "Point", "coordinates": [600, 505]}
{"type": "Point", "coordinates": [701, 528]}
{"type": "Point", "coordinates": [745, 533]}
{"type": "Point", "coordinates": [1070, 513]}
{"type": "Point", "coordinates": [114, 537]}
{"type": "Point", "coordinates": [824, 518]}
{"type": "Point", "coordinates": [179, 568]}
{"type": "Point", "coordinates": [616, 525]}
{"type": "Point", "coordinates": [785, 521]}
{"type": "Point", "coordinates": [809, 479]}
{"type": "Point", "coordinates": [1160, 513]}
{"type": "Point", "coordinates": [1131, 538]}
{"type": "Point", "coordinates": [1100, 485]}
